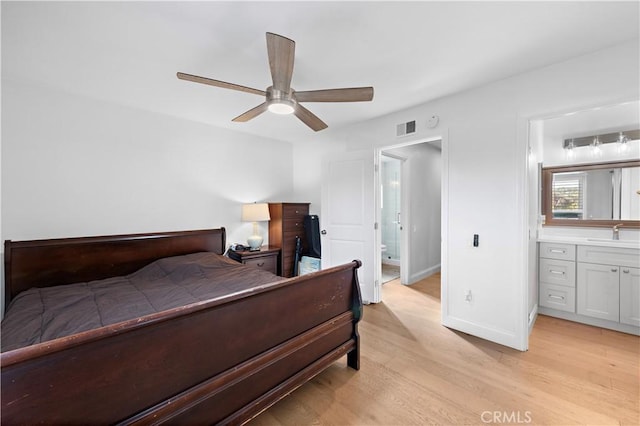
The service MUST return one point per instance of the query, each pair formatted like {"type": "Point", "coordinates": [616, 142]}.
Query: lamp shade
{"type": "Point", "coordinates": [256, 212]}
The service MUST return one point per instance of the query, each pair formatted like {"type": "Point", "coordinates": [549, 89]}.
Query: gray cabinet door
{"type": "Point", "coordinates": [598, 291]}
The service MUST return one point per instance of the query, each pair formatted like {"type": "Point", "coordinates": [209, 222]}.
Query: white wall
{"type": "Point", "coordinates": [74, 166]}
{"type": "Point", "coordinates": [486, 190]}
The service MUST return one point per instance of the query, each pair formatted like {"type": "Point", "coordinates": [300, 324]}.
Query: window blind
{"type": "Point", "coordinates": [568, 193]}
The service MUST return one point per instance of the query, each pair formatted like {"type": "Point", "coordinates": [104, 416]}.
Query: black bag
{"type": "Point", "coordinates": [311, 225]}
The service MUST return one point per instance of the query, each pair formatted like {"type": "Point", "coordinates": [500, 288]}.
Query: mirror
{"type": "Point", "coordinates": [592, 195]}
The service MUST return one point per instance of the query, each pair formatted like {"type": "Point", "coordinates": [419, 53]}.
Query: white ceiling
{"type": "Point", "coordinates": [410, 52]}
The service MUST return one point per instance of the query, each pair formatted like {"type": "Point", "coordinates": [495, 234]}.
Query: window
{"type": "Point", "coordinates": [568, 195]}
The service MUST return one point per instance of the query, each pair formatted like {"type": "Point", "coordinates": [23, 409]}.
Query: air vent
{"type": "Point", "coordinates": [407, 128]}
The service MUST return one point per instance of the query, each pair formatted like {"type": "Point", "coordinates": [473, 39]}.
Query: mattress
{"type": "Point", "coordinates": [42, 314]}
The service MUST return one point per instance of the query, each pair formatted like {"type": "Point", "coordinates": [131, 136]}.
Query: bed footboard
{"type": "Point", "coordinates": [220, 361]}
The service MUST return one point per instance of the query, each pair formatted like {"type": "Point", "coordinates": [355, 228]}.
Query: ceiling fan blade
{"type": "Point", "coordinates": [352, 94]}
{"type": "Point", "coordinates": [281, 52]}
{"type": "Point", "coordinates": [309, 118]}
{"type": "Point", "coordinates": [218, 83]}
{"type": "Point", "coordinates": [252, 113]}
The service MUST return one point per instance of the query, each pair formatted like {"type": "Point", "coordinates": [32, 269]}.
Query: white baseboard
{"type": "Point", "coordinates": [502, 337]}
{"type": "Point", "coordinates": [596, 322]}
{"type": "Point", "coordinates": [423, 274]}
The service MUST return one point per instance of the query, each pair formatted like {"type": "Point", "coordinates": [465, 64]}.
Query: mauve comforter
{"type": "Point", "coordinates": [41, 314]}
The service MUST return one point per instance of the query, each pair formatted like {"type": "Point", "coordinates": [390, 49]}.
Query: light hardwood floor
{"type": "Point", "coordinates": [414, 371]}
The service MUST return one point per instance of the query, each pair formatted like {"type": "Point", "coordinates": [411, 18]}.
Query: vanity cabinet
{"type": "Point", "coordinates": [630, 296]}
{"type": "Point", "coordinates": [607, 281]}
{"type": "Point", "coordinates": [593, 284]}
{"type": "Point", "coordinates": [557, 274]}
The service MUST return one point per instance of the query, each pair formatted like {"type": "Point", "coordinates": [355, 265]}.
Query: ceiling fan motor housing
{"type": "Point", "coordinates": [281, 102]}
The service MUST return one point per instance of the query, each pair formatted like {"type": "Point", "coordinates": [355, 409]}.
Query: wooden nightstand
{"type": "Point", "coordinates": [266, 258]}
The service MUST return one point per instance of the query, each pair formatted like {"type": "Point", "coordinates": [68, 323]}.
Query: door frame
{"type": "Point", "coordinates": [405, 263]}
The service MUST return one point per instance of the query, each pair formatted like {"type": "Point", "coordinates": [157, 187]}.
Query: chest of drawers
{"type": "Point", "coordinates": [285, 225]}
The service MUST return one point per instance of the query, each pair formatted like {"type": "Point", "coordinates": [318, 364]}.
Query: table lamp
{"type": "Point", "coordinates": [256, 212]}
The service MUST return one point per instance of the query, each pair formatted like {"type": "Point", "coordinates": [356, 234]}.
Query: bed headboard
{"type": "Point", "coordinates": [45, 263]}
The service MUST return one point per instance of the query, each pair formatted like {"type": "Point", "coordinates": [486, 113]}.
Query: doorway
{"type": "Point", "coordinates": [410, 225]}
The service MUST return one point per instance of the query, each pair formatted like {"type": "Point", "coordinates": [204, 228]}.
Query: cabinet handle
{"type": "Point", "coordinates": [614, 269]}
{"type": "Point", "coordinates": [260, 264]}
{"type": "Point", "coordinates": [553, 296]}
{"type": "Point", "coordinates": [556, 272]}
{"type": "Point", "coordinates": [557, 251]}
{"type": "Point", "coordinates": [626, 271]}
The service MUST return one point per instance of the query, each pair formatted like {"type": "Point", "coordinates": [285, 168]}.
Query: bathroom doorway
{"type": "Point", "coordinates": [390, 215]}
{"type": "Point", "coordinates": [409, 210]}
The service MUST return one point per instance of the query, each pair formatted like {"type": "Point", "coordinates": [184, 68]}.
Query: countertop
{"type": "Point", "coordinates": [589, 241]}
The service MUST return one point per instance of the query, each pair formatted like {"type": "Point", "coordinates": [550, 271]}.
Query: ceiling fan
{"type": "Point", "coordinates": [280, 97]}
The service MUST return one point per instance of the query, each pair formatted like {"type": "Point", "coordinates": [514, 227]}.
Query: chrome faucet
{"type": "Point", "coordinates": [616, 231]}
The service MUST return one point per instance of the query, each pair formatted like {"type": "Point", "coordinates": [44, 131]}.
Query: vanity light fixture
{"type": "Point", "coordinates": [596, 141]}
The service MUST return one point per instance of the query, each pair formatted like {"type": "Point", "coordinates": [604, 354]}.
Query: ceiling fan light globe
{"type": "Point", "coordinates": [281, 107]}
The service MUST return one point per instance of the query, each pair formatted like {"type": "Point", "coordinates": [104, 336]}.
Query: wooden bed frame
{"type": "Point", "coordinates": [221, 361]}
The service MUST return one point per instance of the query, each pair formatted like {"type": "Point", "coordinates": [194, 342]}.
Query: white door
{"type": "Point", "coordinates": [347, 221]}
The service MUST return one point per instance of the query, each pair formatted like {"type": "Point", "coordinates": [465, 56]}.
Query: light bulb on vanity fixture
{"type": "Point", "coordinates": [595, 146]}
{"type": "Point", "coordinates": [571, 153]}
{"type": "Point", "coordinates": [623, 143]}
{"type": "Point", "coordinates": [256, 212]}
